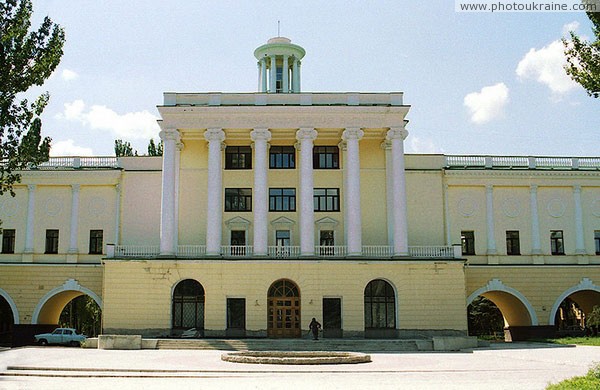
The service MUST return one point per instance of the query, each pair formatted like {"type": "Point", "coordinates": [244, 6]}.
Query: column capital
{"type": "Point", "coordinates": [75, 187]}
{"type": "Point", "coordinates": [397, 133]}
{"type": "Point", "coordinates": [179, 146]}
{"type": "Point", "coordinates": [306, 133]}
{"type": "Point", "coordinates": [386, 145]}
{"type": "Point", "coordinates": [214, 134]}
{"type": "Point", "coordinates": [343, 145]}
{"type": "Point", "coordinates": [118, 188]}
{"type": "Point", "coordinates": [31, 187]}
{"type": "Point", "coordinates": [577, 189]}
{"type": "Point", "coordinates": [489, 188]}
{"type": "Point", "coordinates": [352, 133]}
{"type": "Point", "coordinates": [169, 135]}
{"type": "Point", "coordinates": [533, 189]}
{"type": "Point", "coordinates": [260, 134]}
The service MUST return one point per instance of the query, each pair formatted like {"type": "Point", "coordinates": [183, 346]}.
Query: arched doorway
{"type": "Point", "coordinates": [50, 307]}
{"type": "Point", "coordinates": [380, 309]}
{"type": "Point", "coordinates": [485, 319]}
{"type": "Point", "coordinates": [570, 311]}
{"type": "Point", "coordinates": [84, 314]}
{"type": "Point", "coordinates": [283, 318]}
{"type": "Point", "coordinates": [6, 322]}
{"type": "Point", "coordinates": [188, 307]}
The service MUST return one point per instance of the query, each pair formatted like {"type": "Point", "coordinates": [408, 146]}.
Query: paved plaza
{"type": "Point", "coordinates": [501, 366]}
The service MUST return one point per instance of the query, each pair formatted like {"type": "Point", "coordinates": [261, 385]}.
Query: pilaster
{"type": "Point", "coordinates": [260, 197]}
{"type": "Point", "coordinates": [354, 225]}
{"type": "Point", "coordinates": [397, 135]}
{"type": "Point", "coordinates": [306, 136]}
{"type": "Point", "coordinates": [214, 220]}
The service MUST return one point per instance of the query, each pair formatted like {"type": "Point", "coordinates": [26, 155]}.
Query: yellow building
{"type": "Point", "coordinates": [271, 208]}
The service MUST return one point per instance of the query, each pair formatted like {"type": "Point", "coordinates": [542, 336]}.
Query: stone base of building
{"type": "Point", "coordinates": [523, 333]}
{"type": "Point", "coordinates": [23, 334]}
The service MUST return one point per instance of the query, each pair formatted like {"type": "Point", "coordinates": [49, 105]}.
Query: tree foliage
{"type": "Point", "coordinates": [124, 149]}
{"type": "Point", "coordinates": [484, 317]}
{"type": "Point", "coordinates": [83, 314]}
{"type": "Point", "coordinates": [27, 58]}
{"type": "Point", "coordinates": [583, 58]}
{"type": "Point", "coordinates": [155, 149]}
{"type": "Point", "coordinates": [593, 319]}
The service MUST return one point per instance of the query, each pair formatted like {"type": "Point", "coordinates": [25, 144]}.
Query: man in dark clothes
{"type": "Point", "coordinates": [314, 327]}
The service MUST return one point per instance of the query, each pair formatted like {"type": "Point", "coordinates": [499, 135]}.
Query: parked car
{"type": "Point", "coordinates": [66, 336]}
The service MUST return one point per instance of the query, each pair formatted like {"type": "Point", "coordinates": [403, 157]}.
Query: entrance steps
{"type": "Point", "coordinates": [356, 345]}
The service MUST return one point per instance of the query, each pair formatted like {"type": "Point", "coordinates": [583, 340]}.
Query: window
{"type": "Point", "coordinates": [188, 305]}
{"type": "Point", "coordinates": [326, 199]}
{"type": "Point", "coordinates": [238, 243]}
{"type": "Point", "coordinates": [556, 242]}
{"type": "Point", "coordinates": [236, 313]}
{"type": "Point", "coordinates": [282, 199]}
{"type": "Point", "coordinates": [380, 305]}
{"type": "Point", "coordinates": [96, 242]}
{"type": "Point", "coordinates": [238, 157]}
{"type": "Point", "coordinates": [51, 241]}
{"type": "Point", "coordinates": [282, 157]}
{"type": "Point", "coordinates": [512, 242]}
{"type": "Point", "coordinates": [326, 157]}
{"type": "Point", "coordinates": [597, 241]}
{"type": "Point", "coordinates": [326, 243]}
{"type": "Point", "coordinates": [238, 199]}
{"type": "Point", "coordinates": [8, 241]}
{"type": "Point", "coordinates": [282, 238]}
{"type": "Point", "coordinates": [467, 239]}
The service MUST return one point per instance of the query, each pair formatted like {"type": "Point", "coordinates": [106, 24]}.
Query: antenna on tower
{"type": "Point", "coordinates": [278, 28]}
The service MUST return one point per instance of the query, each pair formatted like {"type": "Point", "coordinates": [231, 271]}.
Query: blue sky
{"type": "Point", "coordinates": [478, 83]}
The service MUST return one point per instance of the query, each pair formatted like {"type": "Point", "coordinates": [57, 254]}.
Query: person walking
{"type": "Point", "coordinates": [314, 326]}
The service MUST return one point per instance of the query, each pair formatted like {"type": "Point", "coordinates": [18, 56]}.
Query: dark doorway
{"type": "Point", "coordinates": [236, 317]}
{"type": "Point", "coordinates": [6, 322]}
{"type": "Point", "coordinates": [188, 306]}
{"type": "Point", "coordinates": [284, 310]}
{"type": "Point", "coordinates": [332, 318]}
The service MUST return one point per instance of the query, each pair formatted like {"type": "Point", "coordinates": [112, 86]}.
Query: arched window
{"type": "Point", "coordinates": [188, 305]}
{"type": "Point", "coordinates": [380, 305]}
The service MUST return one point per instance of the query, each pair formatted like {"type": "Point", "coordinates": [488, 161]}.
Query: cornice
{"type": "Point", "coordinates": [521, 173]}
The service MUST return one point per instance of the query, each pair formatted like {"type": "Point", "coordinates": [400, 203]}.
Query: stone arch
{"type": "Point", "coordinates": [380, 297]}
{"type": "Point", "coordinates": [579, 295]}
{"type": "Point", "coordinates": [515, 308]}
{"type": "Point", "coordinates": [51, 305]}
{"type": "Point", "coordinates": [187, 306]}
{"type": "Point", "coordinates": [13, 306]}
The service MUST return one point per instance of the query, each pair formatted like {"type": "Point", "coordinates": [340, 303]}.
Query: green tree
{"type": "Point", "coordinates": [27, 58]}
{"type": "Point", "coordinates": [583, 58]}
{"type": "Point", "coordinates": [593, 319]}
{"type": "Point", "coordinates": [154, 149]}
{"type": "Point", "coordinates": [124, 149]}
{"type": "Point", "coordinates": [484, 317]}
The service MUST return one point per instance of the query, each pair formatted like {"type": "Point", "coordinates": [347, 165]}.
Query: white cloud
{"type": "Point", "coordinates": [573, 26]}
{"type": "Point", "coordinates": [69, 75]}
{"type": "Point", "coordinates": [131, 125]}
{"type": "Point", "coordinates": [546, 66]}
{"type": "Point", "coordinates": [68, 148]}
{"type": "Point", "coordinates": [487, 104]}
{"type": "Point", "coordinates": [422, 145]}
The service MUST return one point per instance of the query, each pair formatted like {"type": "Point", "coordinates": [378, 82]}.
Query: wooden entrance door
{"type": "Point", "coordinates": [284, 310]}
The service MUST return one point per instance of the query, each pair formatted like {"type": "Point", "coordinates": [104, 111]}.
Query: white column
{"type": "Point", "coordinates": [491, 238]}
{"type": "Point", "coordinates": [263, 74]}
{"type": "Point", "coordinates": [397, 135]}
{"type": "Point", "coordinates": [579, 241]}
{"type": "Point", "coordinates": [306, 136]}
{"type": "Point", "coordinates": [295, 79]}
{"type": "Point", "coordinates": [536, 247]}
{"type": "Point", "coordinates": [178, 149]}
{"type": "Point", "coordinates": [117, 214]}
{"type": "Point", "coordinates": [285, 76]}
{"type": "Point", "coordinates": [214, 220]}
{"type": "Point", "coordinates": [447, 215]}
{"type": "Point", "coordinates": [75, 188]}
{"type": "Point", "coordinates": [343, 149]}
{"type": "Point", "coordinates": [353, 221]}
{"type": "Point", "coordinates": [273, 80]}
{"type": "Point", "coordinates": [299, 79]}
{"type": "Point", "coordinates": [389, 190]}
{"type": "Point", "coordinates": [167, 210]}
{"type": "Point", "coordinates": [30, 218]}
{"type": "Point", "coordinates": [260, 198]}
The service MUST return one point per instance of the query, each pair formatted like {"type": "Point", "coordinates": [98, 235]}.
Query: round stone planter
{"type": "Point", "coordinates": [299, 357]}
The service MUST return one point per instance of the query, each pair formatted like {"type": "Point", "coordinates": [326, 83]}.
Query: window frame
{"type": "Point", "coordinates": [326, 157]}
{"type": "Point", "coordinates": [234, 160]}
{"type": "Point", "coordinates": [513, 244]}
{"type": "Point", "coordinates": [285, 154]}
{"type": "Point", "coordinates": [284, 199]}
{"type": "Point", "coordinates": [232, 199]}
{"type": "Point", "coordinates": [8, 241]}
{"type": "Point", "coordinates": [321, 202]}
{"type": "Point", "coordinates": [96, 246]}
{"type": "Point", "coordinates": [52, 241]}
{"type": "Point", "coordinates": [557, 244]}
{"type": "Point", "coordinates": [467, 241]}
{"type": "Point", "coordinates": [597, 241]}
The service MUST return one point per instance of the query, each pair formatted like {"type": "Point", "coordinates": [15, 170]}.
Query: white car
{"type": "Point", "coordinates": [66, 336]}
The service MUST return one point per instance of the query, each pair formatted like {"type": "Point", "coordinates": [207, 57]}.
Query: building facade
{"type": "Point", "coordinates": [268, 209]}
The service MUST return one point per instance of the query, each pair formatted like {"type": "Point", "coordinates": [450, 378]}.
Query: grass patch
{"type": "Point", "coordinates": [592, 341]}
{"type": "Point", "coordinates": [591, 381]}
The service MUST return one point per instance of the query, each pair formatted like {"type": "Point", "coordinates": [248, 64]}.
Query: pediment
{"type": "Point", "coordinates": [282, 221]}
{"type": "Point", "coordinates": [326, 221]}
{"type": "Point", "coordinates": [237, 222]}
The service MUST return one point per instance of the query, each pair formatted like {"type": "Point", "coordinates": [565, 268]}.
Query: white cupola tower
{"type": "Point", "coordinates": [279, 66]}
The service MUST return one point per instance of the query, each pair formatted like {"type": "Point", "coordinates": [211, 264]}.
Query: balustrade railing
{"type": "Point", "coordinates": [191, 250]}
{"type": "Point", "coordinates": [237, 250]}
{"type": "Point", "coordinates": [431, 251]}
{"type": "Point", "coordinates": [330, 250]}
{"type": "Point", "coordinates": [79, 162]}
{"type": "Point", "coordinates": [377, 250]}
{"type": "Point", "coordinates": [136, 250]}
{"type": "Point", "coordinates": [284, 252]}
{"type": "Point", "coordinates": [523, 162]}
